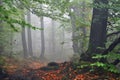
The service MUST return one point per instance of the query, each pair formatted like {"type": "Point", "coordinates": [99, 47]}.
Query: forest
{"type": "Point", "coordinates": [59, 39]}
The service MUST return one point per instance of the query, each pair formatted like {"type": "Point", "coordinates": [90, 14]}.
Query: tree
{"type": "Point", "coordinates": [1, 30]}
{"type": "Point", "coordinates": [74, 33]}
{"type": "Point", "coordinates": [42, 39]}
{"type": "Point", "coordinates": [6, 39]}
{"type": "Point", "coordinates": [83, 28]}
{"type": "Point", "coordinates": [98, 29]}
{"type": "Point", "coordinates": [62, 39]}
{"type": "Point", "coordinates": [53, 36]}
{"type": "Point", "coordinates": [79, 21]}
{"type": "Point", "coordinates": [1, 43]}
{"type": "Point", "coordinates": [24, 43]}
{"type": "Point", "coordinates": [30, 51]}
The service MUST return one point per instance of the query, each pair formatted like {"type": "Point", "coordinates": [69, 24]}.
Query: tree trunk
{"type": "Point", "coordinates": [11, 44]}
{"type": "Point", "coordinates": [53, 36]}
{"type": "Point", "coordinates": [98, 28]}
{"type": "Point", "coordinates": [1, 42]}
{"type": "Point", "coordinates": [83, 29]}
{"type": "Point", "coordinates": [74, 33]}
{"type": "Point", "coordinates": [77, 29]}
{"type": "Point", "coordinates": [30, 50]}
{"type": "Point", "coordinates": [1, 30]}
{"type": "Point", "coordinates": [42, 39]}
{"type": "Point", "coordinates": [24, 43]}
{"type": "Point", "coordinates": [62, 38]}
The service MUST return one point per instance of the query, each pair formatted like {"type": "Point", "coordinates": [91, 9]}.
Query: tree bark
{"type": "Point", "coordinates": [83, 28]}
{"type": "Point", "coordinates": [114, 33]}
{"type": "Point", "coordinates": [1, 43]}
{"type": "Point", "coordinates": [30, 50]}
{"type": "Point", "coordinates": [74, 32]}
{"type": "Point", "coordinates": [1, 30]}
{"type": "Point", "coordinates": [42, 38]}
{"type": "Point", "coordinates": [53, 36]}
{"type": "Point", "coordinates": [112, 46]}
{"type": "Point", "coordinates": [98, 28]}
{"type": "Point", "coordinates": [77, 29]}
{"type": "Point", "coordinates": [24, 43]}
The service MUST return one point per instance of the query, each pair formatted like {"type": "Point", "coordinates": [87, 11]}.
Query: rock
{"type": "Point", "coordinates": [53, 64]}
{"type": "Point", "coordinates": [50, 66]}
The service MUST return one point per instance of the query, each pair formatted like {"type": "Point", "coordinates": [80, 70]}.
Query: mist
{"type": "Point", "coordinates": [58, 41]}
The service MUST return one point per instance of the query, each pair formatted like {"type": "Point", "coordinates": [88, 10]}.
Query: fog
{"type": "Point", "coordinates": [58, 42]}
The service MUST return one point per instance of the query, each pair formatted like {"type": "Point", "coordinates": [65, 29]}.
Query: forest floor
{"type": "Point", "coordinates": [14, 69]}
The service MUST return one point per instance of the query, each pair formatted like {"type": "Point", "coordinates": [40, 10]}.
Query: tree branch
{"type": "Point", "coordinates": [112, 46]}
{"type": "Point", "coordinates": [114, 33]}
{"type": "Point", "coordinates": [109, 49]}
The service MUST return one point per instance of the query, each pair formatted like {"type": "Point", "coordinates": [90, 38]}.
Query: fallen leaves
{"type": "Point", "coordinates": [32, 70]}
{"type": "Point", "coordinates": [79, 77]}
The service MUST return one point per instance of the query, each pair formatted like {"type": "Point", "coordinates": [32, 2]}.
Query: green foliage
{"type": "Point", "coordinates": [81, 64]}
{"type": "Point", "coordinates": [2, 60]}
{"type": "Point", "coordinates": [11, 14]}
{"type": "Point", "coordinates": [107, 66]}
{"type": "Point", "coordinates": [114, 19]}
{"type": "Point", "coordinates": [114, 16]}
{"type": "Point", "coordinates": [55, 9]}
{"type": "Point", "coordinates": [110, 55]}
{"type": "Point", "coordinates": [6, 34]}
{"type": "Point", "coordinates": [113, 26]}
